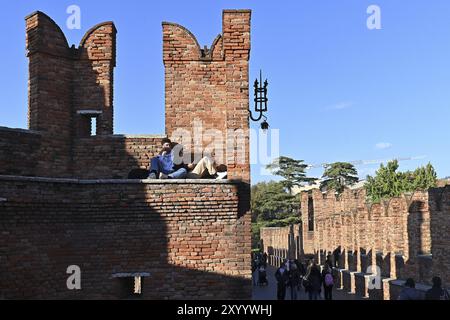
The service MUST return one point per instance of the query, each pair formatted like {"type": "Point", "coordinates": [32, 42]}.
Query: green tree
{"type": "Point", "coordinates": [338, 175]}
{"type": "Point", "coordinates": [272, 205]}
{"type": "Point", "coordinates": [389, 183]}
{"type": "Point", "coordinates": [269, 201]}
{"type": "Point", "coordinates": [293, 172]}
{"type": "Point", "coordinates": [425, 178]}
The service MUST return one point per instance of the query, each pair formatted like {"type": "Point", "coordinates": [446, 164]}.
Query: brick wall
{"type": "Point", "coordinates": [94, 81]}
{"type": "Point", "coordinates": [25, 153]}
{"type": "Point", "coordinates": [112, 157]}
{"type": "Point", "coordinates": [19, 151]}
{"type": "Point", "coordinates": [210, 85]}
{"type": "Point", "coordinates": [398, 227]}
{"type": "Point", "coordinates": [63, 81]}
{"type": "Point", "coordinates": [193, 238]}
{"type": "Point", "coordinates": [68, 86]}
{"type": "Point", "coordinates": [439, 203]}
{"type": "Point", "coordinates": [50, 90]}
{"type": "Point", "coordinates": [404, 237]}
{"type": "Point", "coordinates": [282, 243]}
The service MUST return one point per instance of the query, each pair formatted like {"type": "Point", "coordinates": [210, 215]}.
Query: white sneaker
{"type": "Point", "coordinates": [152, 176]}
{"type": "Point", "coordinates": [221, 175]}
{"type": "Point", "coordinates": [163, 176]}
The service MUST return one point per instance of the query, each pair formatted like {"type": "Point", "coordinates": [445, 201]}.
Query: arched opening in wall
{"type": "Point", "coordinates": [310, 213]}
{"type": "Point", "coordinates": [415, 229]}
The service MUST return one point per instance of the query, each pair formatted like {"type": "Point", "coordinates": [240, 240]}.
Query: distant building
{"type": "Point", "coordinates": [316, 185]}
{"type": "Point", "coordinates": [309, 187]}
{"type": "Point", "coordinates": [443, 182]}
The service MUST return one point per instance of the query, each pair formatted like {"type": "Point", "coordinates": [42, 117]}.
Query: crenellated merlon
{"type": "Point", "coordinates": [83, 76]}
{"type": "Point", "coordinates": [234, 42]}
{"type": "Point", "coordinates": [45, 36]}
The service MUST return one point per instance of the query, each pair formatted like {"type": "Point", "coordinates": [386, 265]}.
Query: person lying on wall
{"type": "Point", "coordinates": [163, 166]}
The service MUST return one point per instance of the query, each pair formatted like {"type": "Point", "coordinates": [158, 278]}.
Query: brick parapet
{"type": "Point", "coordinates": [404, 237]}
{"type": "Point", "coordinates": [188, 236]}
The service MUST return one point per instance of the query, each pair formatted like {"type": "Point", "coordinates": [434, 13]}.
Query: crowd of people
{"type": "Point", "coordinates": [293, 276]}
{"type": "Point", "coordinates": [297, 276]}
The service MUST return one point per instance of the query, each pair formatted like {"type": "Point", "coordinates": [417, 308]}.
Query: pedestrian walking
{"type": "Point", "coordinates": [437, 292]}
{"type": "Point", "coordinates": [409, 292]}
{"type": "Point", "coordinates": [314, 281]}
{"type": "Point", "coordinates": [282, 277]}
{"type": "Point", "coordinates": [328, 282]}
{"type": "Point", "coordinates": [294, 279]}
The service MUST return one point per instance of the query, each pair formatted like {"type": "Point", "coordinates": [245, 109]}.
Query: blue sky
{"type": "Point", "coordinates": [338, 91]}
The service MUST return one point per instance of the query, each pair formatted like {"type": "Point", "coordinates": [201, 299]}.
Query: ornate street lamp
{"type": "Point", "coordinates": [260, 101]}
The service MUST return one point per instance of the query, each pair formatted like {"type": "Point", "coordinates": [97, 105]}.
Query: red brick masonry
{"type": "Point", "coordinates": [68, 86]}
{"type": "Point", "coordinates": [192, 237]}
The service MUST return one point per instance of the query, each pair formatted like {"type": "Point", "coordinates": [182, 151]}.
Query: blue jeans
{"type": "Point", "coordinates": [313, 294]}
{"type": "Point", "coordinates": [156, 167]}
{"type": "Point", "coordinates": [293, 292]}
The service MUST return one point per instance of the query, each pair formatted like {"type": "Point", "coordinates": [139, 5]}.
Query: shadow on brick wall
{"type": "Point", "coordinates": [439, 206]}
{"type": "Point", "coordinates": [114, 232]}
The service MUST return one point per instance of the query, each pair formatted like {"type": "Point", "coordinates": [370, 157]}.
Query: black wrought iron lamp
{"type": "Point", "coordinates": [260, 101]}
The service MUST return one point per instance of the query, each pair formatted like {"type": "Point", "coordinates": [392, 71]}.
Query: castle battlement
{"type": "Point", "coordinates": [70, 86]}
{"type": "Point", "coordinates": [403, 237]}
{"type": "Point", "coordinates": [64, 194]}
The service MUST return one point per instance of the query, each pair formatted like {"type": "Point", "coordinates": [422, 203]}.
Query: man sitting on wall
{"type": "Point", "coordinates": [163, 166]}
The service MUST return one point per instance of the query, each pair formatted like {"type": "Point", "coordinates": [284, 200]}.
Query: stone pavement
{"type": "Point", "coordinates": [270, 292]}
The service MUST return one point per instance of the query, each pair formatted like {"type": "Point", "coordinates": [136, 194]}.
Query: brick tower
{"type": "Point", "coordinates": [211, 86]}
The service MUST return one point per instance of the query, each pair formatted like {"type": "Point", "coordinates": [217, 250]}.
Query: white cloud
{"type": "Point", "coordinates": [340, 106]}
{"type": "Point", "coordinates": [383, 145]}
